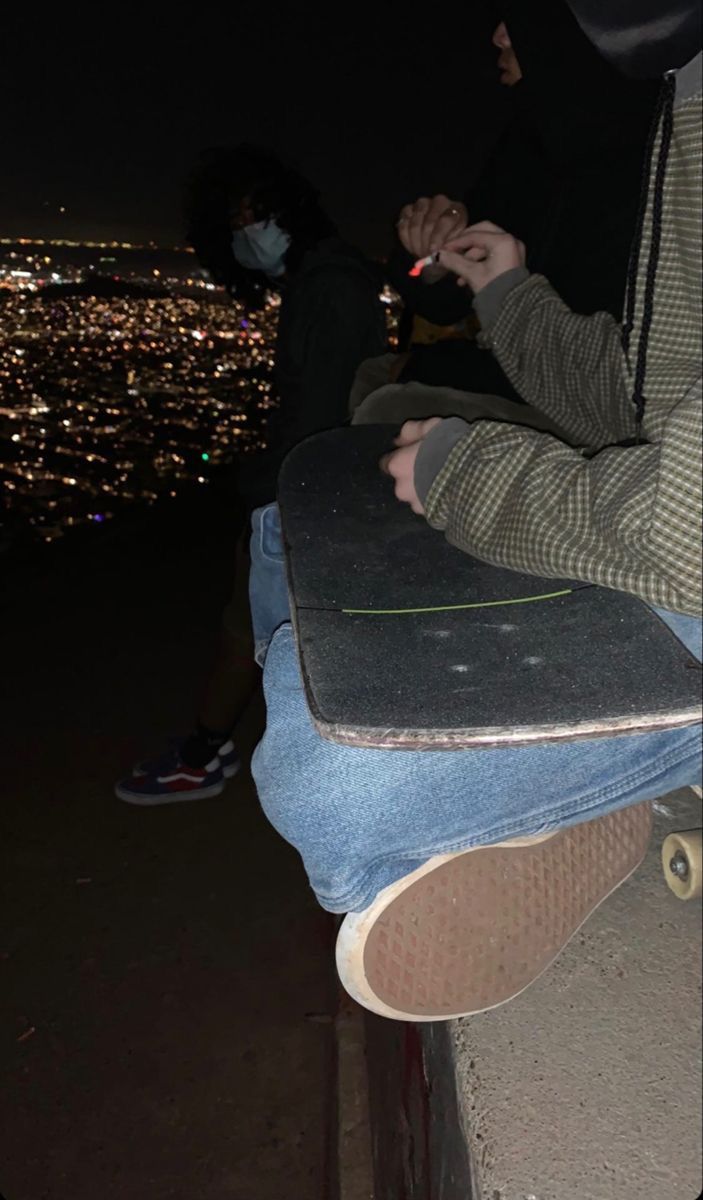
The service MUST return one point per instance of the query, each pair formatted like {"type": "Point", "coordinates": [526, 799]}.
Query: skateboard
{"type": "Point", "coordinates": [682, 861]}
{"type": "Point", "coordinates": [406, 642]}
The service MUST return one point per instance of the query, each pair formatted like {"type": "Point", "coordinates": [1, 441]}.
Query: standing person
{"type": "Point", "coordinates": [564, 178]}
{"type": "Point", "coordinates": [256, 225]}
{"type": "Point", "coordinates": [391, 836]}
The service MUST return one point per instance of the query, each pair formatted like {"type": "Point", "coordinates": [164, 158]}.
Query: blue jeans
{"type": "Point", "coordinates": [362, 819]}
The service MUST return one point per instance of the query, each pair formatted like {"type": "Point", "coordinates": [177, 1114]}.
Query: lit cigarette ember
{"type": "Point", "coordinates": [421, 263]}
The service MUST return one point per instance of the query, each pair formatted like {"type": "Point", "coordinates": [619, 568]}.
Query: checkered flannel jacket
{"type": "Point", "coordinates": [625, 518]}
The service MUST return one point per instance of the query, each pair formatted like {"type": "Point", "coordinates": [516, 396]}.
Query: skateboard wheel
{"type": "Point", "coordinates": [681, 860]}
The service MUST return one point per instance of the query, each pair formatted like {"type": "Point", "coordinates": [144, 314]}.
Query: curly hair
{"type": "Point", "coordinates": [215, 190]}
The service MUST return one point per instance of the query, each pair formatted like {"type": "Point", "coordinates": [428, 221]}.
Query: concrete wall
{"type": "Point", "coordinates": [419, 1143]}
{"type": "Point", "coordinates": [588, 1086]}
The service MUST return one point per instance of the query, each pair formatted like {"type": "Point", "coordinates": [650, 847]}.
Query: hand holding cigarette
{"type": "Point", "coordinates": [428, 224]}
{"type": "Point", "coordinates": [480, 254]}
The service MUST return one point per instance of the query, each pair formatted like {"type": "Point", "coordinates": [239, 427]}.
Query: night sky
{"type": "Point", "coordinates": [106, 119]}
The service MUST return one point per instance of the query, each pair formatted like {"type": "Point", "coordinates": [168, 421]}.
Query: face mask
{"type": "Point", "coordinates": [261, 247]}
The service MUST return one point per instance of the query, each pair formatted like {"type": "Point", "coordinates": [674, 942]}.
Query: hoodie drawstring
{"type": "Point", "coordinates": [664, 115]}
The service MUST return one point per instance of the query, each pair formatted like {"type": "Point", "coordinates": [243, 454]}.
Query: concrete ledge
{"type": "Point", "coordinates": [419, 1142]}
{"type": "Point", "coordinates": [354, 1174]}
{"type": "Point", "coordinates": [588, 1086]}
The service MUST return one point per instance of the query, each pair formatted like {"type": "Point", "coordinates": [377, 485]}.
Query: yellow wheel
{"type": "Point", "coordinates": [681, 859]}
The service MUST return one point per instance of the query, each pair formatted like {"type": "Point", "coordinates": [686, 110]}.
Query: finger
{"type": "Point", "coordinates": [410, 431]}
{"type": "Point", "coordinates": [472, 238]}
{"type": "Point", "coordinates": [462, 266]}
{"type": "Point", "coordinates": [449, 222]}
{"type": "Point", "coordinates": [450, 226]}
{"type": "Point", "coordinates": [414, 431]}
{"type": "Point", "coordinates": [392, 463]}
{"type": "Point", "coordinates": [402, 226]}
{"type": "Point", "coordinates": [415, 224]}
{"type": "Point", "coordinates": [487, 227]}
{"type": "Point", "coordinates": [400, 463]}
{"type": "Point", "coordinates": [405, 492]}
{"type": "Point", "coordinates": [437, 209]}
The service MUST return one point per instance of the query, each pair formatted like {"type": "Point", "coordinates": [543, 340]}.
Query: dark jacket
{"type": "Point", "coordinates": [642, 38]}
{"type": "Point", "coordinates": [330, 320]}
{"type": "Point", "coordinates": [565, 178]}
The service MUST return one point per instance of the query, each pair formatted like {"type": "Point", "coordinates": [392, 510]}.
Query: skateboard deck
{"type": "Point", "coordinates": [406, 642]}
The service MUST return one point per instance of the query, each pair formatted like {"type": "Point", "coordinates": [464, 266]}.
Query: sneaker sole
{"type": "Point", "coordinates": [228, 772]}
{"type": "Point", "coordinates": [469, 931]}
{"type": "Point", "coordinates": [170, 798]}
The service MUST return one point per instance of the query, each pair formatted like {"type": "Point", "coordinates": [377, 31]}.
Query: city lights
{"type": "Point", "coordinates": [113, 384]}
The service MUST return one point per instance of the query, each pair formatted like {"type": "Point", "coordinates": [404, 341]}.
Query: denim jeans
{"type": "Point", "coordinates": [361, 819]}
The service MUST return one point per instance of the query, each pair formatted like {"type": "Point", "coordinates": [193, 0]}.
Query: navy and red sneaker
{"type": "Point", "coordinates": [168, 780]}
{"type": "Point", "coordinates": [229, 759]}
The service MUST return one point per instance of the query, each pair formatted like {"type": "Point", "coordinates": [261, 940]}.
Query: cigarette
{"type": "Point", "coordinates": [421, 263]}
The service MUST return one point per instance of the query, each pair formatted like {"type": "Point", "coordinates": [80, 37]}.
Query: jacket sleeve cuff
{"type": "Point", "coordinates": [489, 301]}
{"type": "Point", "coordinates": [434, 451]}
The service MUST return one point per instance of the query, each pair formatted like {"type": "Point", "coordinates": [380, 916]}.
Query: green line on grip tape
{"type": "Point", "coordinates": [395, 612]}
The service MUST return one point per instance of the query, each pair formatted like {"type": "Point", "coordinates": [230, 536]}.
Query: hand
{"type": "Point", "coordinates": [426, 225]}
{"type": "Point", "coordinates": [482, 253]}
{"type": "Point", "coordinates": [400, 463]}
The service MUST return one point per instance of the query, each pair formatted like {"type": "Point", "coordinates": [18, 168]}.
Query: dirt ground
{"type": "Point", "coordinates": [167, 982]}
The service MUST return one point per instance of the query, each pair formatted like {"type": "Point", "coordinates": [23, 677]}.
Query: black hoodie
{"type": "Point", "coordinates": [642, 38]}
{"type": "Point", "coordinates": [330, 320]}
{"type": "Point", "coordinates": [564, 178]}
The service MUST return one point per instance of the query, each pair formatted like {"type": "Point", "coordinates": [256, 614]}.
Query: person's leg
{"type": "Point", "coordinates": [381, 825]}
{"type": "Point", "coordinates": [395, 403]}
{"type": "Point", "coordinates": [371, 374]}
{"type": "Point", "coordinates": [362, 819]}
{"type": "Point", "coordinates": [448, 913]}
{"type": "Point", "coordinates": [470, 930]}
{"type": "Point", "coordinates": [235, 674]}
{"type": "Point", "coordinates": [196, 767]}
{"type": "Point", "coordinates": [463, 873]}
{"type": "Point", "coordinates": [268, 588]}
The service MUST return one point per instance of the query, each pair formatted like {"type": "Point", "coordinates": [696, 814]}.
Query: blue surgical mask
{"type": "Point", "coordinates": [261, 247]}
